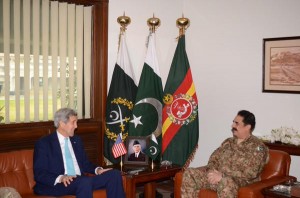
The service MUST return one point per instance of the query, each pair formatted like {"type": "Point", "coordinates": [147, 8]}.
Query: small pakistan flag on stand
{"type": "Point", "coordinates": [153, 149]}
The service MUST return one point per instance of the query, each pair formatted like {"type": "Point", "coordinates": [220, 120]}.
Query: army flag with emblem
{"type": "Point", "coordinates": [120, 100]}
{"type": "Point", "coordinates": [180, 131]}
{"type": "Point", "coordinates": [147, 111]}
{"type": "Point", "coordinates": [153, 148]}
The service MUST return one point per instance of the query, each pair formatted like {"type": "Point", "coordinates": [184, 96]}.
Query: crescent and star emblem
{"type": "Point", "coordinates": [153, 150]}
{"type": "Point", "coordinates": [158, 106]}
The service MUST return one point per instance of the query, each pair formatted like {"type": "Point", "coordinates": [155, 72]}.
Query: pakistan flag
{"type": "Point", "coordinates": [147, 112]}
{"type": "Point", "coordinates": [120, 101]}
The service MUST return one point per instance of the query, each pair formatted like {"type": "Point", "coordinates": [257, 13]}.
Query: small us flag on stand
{"type": "Point", "coordinates": [118, 148]}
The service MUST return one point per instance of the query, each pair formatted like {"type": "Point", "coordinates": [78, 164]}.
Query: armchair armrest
{"type": "Point", "coordinates": [177, 184]}
{"type": "Point", "coordinates": [255, 189]}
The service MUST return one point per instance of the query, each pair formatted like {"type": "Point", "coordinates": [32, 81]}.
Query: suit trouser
{"type": "Point", "coordinates": [83, 186]}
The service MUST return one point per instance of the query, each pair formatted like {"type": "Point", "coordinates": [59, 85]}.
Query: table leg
{"type": "Point", "coordinates": [150, 190]}
{"type": "Point", "coordinates": [130, 188]}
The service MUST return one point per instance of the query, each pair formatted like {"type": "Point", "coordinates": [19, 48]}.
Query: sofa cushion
{"type": "Point", "coordinates": [16, 170]}
{"type": "Point", "coordinates": [207, 193]}
{"type": "Point", "coordinates": [96, 194]}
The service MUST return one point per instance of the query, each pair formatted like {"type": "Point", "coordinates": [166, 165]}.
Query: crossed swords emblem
{"type": "Point", "coordinates": [118, 119]}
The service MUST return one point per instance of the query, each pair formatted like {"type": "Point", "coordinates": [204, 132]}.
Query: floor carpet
{"type": "Point", "coordinates": [164, 189]}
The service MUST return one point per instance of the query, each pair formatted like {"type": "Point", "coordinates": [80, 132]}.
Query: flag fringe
{"type": "Point", "coordinates": [189, 160]}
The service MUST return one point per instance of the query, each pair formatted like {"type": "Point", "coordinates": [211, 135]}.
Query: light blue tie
{"type": "Point", "coordinates": [69, 160]}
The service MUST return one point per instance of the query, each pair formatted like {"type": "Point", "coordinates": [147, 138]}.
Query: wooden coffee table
{"type": "Point", "coordinates": [148, 178]}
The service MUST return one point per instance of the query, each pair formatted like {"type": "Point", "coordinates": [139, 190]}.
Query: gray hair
{"type": "Point", "coordinates": [63, 115]}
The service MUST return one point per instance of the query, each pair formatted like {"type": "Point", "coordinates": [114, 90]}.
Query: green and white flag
{"type": "Point", "coordinates": [147, 111]}
{"type": "Point", "coordinates": [120, 101]}
{"type": "Point", "coordinates": [153, 149]}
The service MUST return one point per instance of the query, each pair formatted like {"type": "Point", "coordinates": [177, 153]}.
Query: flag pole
{"type": "Point", "coordinates": [183, 24]}
{"type": "Point", "coordinates": [153, 24]}
{"type": "Point", "coordinates": [152, 165]}
{"type": "Point", "coordinates": [124, 21]}
{"type": "Point", "coordinates": [121, 163]}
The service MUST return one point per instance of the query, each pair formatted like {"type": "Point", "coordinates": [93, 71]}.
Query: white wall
{"type": "Point", "coordinates": [224, 46]}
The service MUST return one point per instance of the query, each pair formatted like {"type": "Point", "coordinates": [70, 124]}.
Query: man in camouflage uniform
{"type": "Point", "coordinates": [237, 162]}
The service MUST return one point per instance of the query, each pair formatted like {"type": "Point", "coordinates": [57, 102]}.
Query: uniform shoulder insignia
{"type": "Point", "coordinates": [260, 148]}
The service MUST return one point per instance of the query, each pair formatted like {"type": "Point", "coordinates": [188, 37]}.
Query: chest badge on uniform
{"type": "Point", "coordinates": [260, 148]}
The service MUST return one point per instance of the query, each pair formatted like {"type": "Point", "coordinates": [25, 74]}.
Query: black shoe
{"type": "Point", "coordinates": [157, 195]}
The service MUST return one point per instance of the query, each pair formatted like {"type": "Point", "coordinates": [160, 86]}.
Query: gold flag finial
{"type": "Point", "coordinates": [124, 21]}
{"type": "Point", "coordinates": [183, 24]}
{"type": "Point", "coordinates": [153, 23]}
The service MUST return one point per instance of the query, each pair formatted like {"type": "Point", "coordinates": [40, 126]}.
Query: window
{"type": "Point", "coordinates": [45, 59]}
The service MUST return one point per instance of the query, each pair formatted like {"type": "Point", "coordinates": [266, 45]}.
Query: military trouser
{"type": "Point", "coordinates": [196, 178]}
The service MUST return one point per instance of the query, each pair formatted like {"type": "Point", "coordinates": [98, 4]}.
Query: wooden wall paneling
{"type": "Point", "coordinates": [89, 133]}
{"type": "Point", "coordinates": [99, 88]}
{"type": "Point", "coordinates": [24, 138]}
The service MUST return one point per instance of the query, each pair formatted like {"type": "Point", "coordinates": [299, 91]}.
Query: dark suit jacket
{"type": "Point", "coordinates": [48, 160]}
{"type": "Point", "coordinates": [141, 157]}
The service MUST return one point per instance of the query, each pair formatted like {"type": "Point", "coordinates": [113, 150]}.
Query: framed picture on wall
{"type": "Point", "coordinates": [136, 145]}
{"type": "Point", "coordinates": [281, 65]}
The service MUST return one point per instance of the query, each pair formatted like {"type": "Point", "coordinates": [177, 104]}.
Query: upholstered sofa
{"type": "Point", "coordinates": [275, 172]}
{"type": "Point", "coordinates": [16, 170]}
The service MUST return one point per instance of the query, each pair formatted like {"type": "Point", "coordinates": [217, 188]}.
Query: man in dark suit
{"type": "Point", "coordinates": [137, 155]}
{"type": "Point", "coordinates": [54, 153]}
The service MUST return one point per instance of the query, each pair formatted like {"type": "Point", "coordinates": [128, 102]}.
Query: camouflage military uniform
{"type": "Point", "coordinates": [240, 164]}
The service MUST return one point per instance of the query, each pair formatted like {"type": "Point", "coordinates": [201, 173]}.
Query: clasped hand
{"type": "Point", "coordinates": [214, 176]}
{"type": "Point", "coordinates": [102, 170]}
{"type": "Point", "coordinates": [67, 179]}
